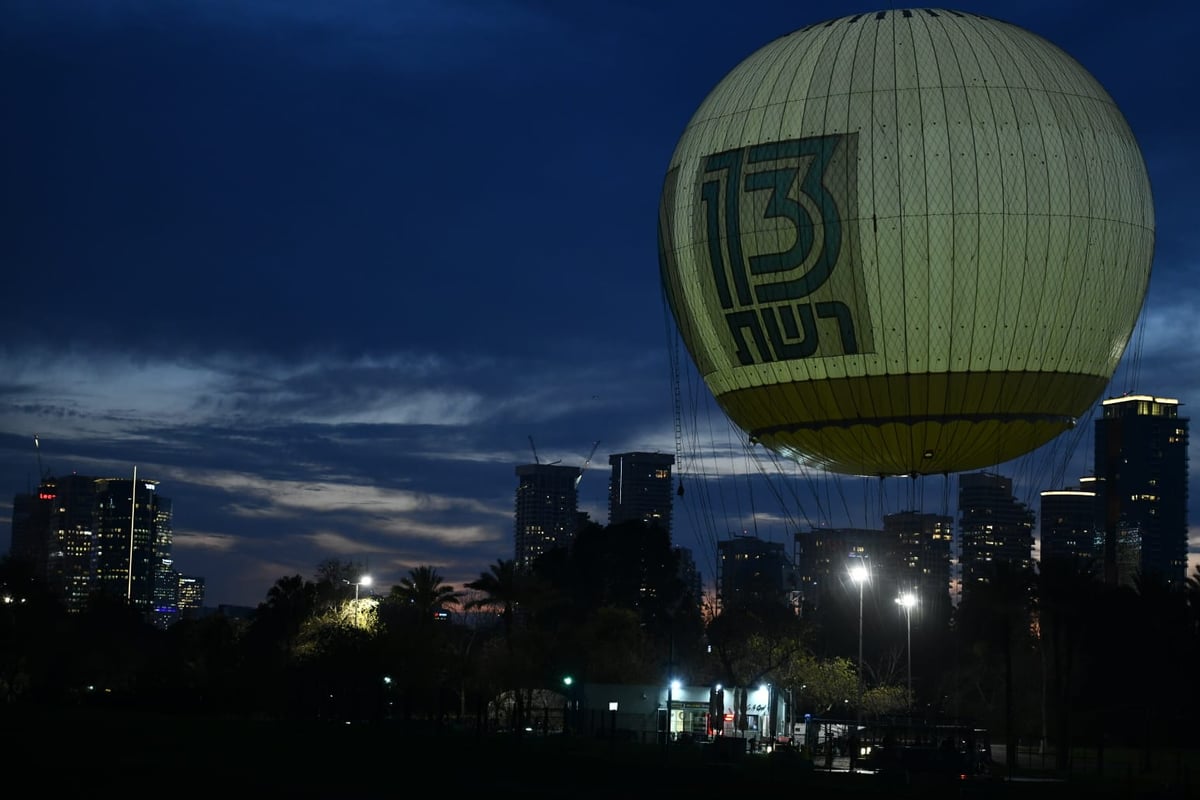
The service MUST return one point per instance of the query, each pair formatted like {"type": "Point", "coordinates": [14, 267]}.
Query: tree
{"type": "Point", "coordinates": [504, 587]}
{"type": "Point", "coordinates": [419, 648]}
{"type": "Point", "coordinates": [820, 686]}
{"type": "Point", "coordinates": [617, 648]}
{"type": "Point", "coordinates": [290, 601]}
{"type": "Point", "coordinates": [752, 641]}
{"type": "Point", "coordinates": [337, 581]}
{"type": "Point", "coordinates": [424, 591]}
{"type": "Point", "coordinates": [32, 657]}
{"type": "Point", "coordinates": [339, 660]}
{"type": "Point", "coordinates": [994, 619]}
{"type": "Point", "coordinates": [501, 588]}
{"type": "Point", "coordinates": [1066, 600]}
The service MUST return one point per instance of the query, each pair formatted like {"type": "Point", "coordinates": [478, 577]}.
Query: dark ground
{"type": "Point", "coordinates": [91, 751]}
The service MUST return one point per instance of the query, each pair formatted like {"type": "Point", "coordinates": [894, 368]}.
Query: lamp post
{"type": "Point", "coordinates": [906, 601]}
{"type": "Point", "coordinates": [365, 580]}
{"type": "Point", "coordinates": [860, 575]}
{"type": "Point", "coordinates": [567, 681]}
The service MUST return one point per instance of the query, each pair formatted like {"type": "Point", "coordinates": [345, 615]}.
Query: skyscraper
{"type": "Point", "coordinates": [1142, 472]}
{"type": "Point", "coordinates": [70, 532]}
{"type": "Point", "coordinates": [546, 510]}
{"type": "Point", "coordinates": [994, 528]}
{"type": "Point", "coordinates": [823, 555]}
{"type": "Point", "coordinates": [191, 596]}
{"type": "Point", "coordinates": [751, 570]}
{"type": "Point", "coordinates": [640, 488]}
{"type": "Point", "coordinates": [917, 548]}
{"type": "Point", "coordinates": [129, 517]}
{"type": "Point", "coordinates": [1068, 531]}
{"type": "Point", "coordinates": [113, 535]}
{"type": "Point", "coordinates": [30, 521]}
{"type": "Point", "coordinates": [910, 554]}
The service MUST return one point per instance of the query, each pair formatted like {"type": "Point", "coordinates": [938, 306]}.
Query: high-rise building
{"type": "Point", "coordinates": [994, 528]}
{"type": "Point", "coordinates": [546, 510]}
{"type": "Point", "coordinates": [751, 570]}
{"type": "Point", "coordinates": [71, 564]}
{"type": "Point", "coordinates": [1141, 468]}
{"type": "Point", "coordinates": [689, 573]}
{"type": "Point", "coordinates": [910, 554]}
{"type": "Point", "coordinates": [640, 488]}
{"type": "Point", "coordinates": [917, 556]}
{"type": "Point", "coordinates": [1068, 533]}
{"type": "Point", "coordinates": [129, 516]}
{"type": "Point", "coordinates": [110, 535]}
{"type": "Point", "coordinates": [823, 555]}
{"type": "Point", "coordinates": [166, 578]}
{"type": "Point", "coordinates": [191, 596]}
{"type": "Point", "coordinates": [30, 520]}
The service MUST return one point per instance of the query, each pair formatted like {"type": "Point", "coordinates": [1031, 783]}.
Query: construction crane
{"type": "Point", "coordinates": [534, 449]}
{"type": "Point", "coordinates": [38, 448]}
{"type": "Point", "coordinates": [579, 477]}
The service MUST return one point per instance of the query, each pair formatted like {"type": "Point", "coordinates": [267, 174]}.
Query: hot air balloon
{"type": "Point", "coordinates": [906, 242]}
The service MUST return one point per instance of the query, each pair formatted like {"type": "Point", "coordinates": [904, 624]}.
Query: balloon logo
{"type": "Point", "coordinates": [906, 242]}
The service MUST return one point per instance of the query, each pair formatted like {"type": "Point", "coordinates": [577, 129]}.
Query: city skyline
{"type": "Point", "coordinates": [329, 272]}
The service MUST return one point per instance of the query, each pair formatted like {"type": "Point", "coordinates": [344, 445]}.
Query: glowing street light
{"type": "Point", "coordinates": [907, 600]}
{"type": "Point", "coordinates": [860, 575]}
{"type": "Point", "coordinates": [365, 580]}
{"type": "Point", "coordinates": [673, 685]}
{"type": "Point", "coordinates": [568, 681]}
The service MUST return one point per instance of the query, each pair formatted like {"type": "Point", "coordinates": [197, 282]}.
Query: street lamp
{"type": "Point", "coordinates": [673, 685]}
{"type": "Point", "coordinates": [567, 682]}
{"type": "Point", "coordinates": [860, 575]}
{"type": "Point", "coordinates": [365, 580]}
{"type": "Point", "coordinates": [907, 600]}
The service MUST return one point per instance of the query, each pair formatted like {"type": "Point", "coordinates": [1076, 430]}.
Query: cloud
{"type": "Point", "coordinates": [1193, 556]}
{"type": "Point", "coordinates": [199, 540]}
{"type": "Point", "coordinates": [121, 391]}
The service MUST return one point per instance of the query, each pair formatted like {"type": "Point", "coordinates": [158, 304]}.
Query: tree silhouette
{"type": "Point", "coordinates": [501, 587]}
{"type": "Point", "coordinates": [995, 617]}
{"type": "Point", "coordinates": [1065, 603]}
{"type": "Point", "coordinates": [424, 591]}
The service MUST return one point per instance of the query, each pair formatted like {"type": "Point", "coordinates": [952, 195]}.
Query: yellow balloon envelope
{"type": "Point", "coordinates": [906, 242]}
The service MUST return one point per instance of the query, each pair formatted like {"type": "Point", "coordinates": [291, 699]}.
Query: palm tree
{"type": "Point", "coordinates": [290, 601]}
{"type": "Point", "coordinates": [501, 588]}
{"type": "Point", "coordinates": [424, 591]}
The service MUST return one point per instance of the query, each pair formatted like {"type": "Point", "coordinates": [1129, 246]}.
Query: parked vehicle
{"type": "Point", "coordinates": [920, 750]}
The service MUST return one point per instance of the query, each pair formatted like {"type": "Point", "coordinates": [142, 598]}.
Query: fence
{"type": "Point", "coordinates": [1174, 766]}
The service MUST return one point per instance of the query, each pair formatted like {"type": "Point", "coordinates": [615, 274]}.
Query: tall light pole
{"type": "Point", "coordinates": [907, 600]}
{"type": "Point", "coordinates": [567, 681]}
{"type": "Point", "coordinates": [859, 574]}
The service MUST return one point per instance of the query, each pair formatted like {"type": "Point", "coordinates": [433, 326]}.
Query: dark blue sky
{"type": "Point", "coordinates": [322, 268]}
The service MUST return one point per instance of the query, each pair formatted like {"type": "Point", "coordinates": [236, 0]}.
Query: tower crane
{"type": "Point", "coordinates": [534, 449]}
{"type": "Point", "coordinates": [579, 477]}
{"type": "Point", "coordinates": [38, 449]}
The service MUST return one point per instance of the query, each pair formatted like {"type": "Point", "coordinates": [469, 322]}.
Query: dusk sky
{"type": "Point", "coordinates": [323, 268]}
